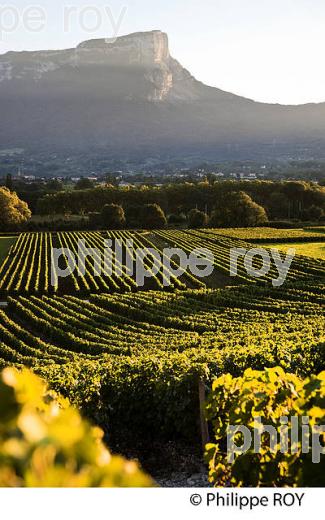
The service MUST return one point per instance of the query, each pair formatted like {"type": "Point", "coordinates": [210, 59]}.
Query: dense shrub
{"type": "Point", "coordinates": [84, 184]}
{"type": "Point", "coordinates": [136, 398]}
{"type": "Point", "coordinates": [261, 398]}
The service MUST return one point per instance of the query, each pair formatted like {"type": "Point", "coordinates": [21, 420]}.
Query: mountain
{"type": "Point", "coordinates": [130, 97]}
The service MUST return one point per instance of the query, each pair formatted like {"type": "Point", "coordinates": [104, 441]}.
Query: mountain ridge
{"type": "Point", "coordinates": [130, 96]}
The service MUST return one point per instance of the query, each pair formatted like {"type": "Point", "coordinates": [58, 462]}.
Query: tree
{"type": "Point", "coordinates": [84, 184]}
{"type": "Point", "coordinates": [177, 219]}
{"type": "Point", "coordinates": [295, 191]}
{"type": "Point", "coordinates": [152, 217]}
{"type": "Point", "coordinates": [313, 213]}
{"type": "Point", "coordinates": [54, 185]}
{"type": "Point", "coordinates": [197, 219]}
{"type": "Point", "coordinates": [238, 210]}
{"type": "Point", "coordinates": [133, 216]}
{"type": "Point", "coordinates": [183, 196]}
{"type": "Point", "coordinates": [113, 216]}
{"type": "Point", "coordinates": [13, 211]}
{"type": "Point", "coordinates": [278, 205]}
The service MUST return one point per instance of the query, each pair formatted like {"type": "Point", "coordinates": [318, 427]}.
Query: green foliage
{"type": "Point", "coordinates": [44, 442]}
{"type": "Point", "coordinates": [146, 397]}
{"type": "Point", "coordinates": [278, 205]}
{"type": "Point", "coordinates": [269, 395]}
{"type": "Point", "coordinates": [238, 210]}
{"type": "Point", "coordinates": [197, 219]}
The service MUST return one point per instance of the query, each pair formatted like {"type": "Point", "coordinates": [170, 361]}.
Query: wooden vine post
{"type": "Point", "coordinates": [203, 422]}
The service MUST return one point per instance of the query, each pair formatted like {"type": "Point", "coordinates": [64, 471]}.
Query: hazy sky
{"type": "Point", "coordinates": [267, 50]}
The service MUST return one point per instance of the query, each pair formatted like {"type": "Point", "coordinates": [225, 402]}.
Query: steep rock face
{"type": "Point", "coordinates": [147, 52]}
{"type": "Point", "coordinates": [145, 48]}
{"type": "Point", "coordinates": [130, 96]}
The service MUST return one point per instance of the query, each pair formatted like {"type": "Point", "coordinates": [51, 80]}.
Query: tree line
{"type": "Point", "coordinates": [281, 200]}
{"type": "Point", "coordinates": [220, 204]}
{"type": "Point", "coordinates": [239, 210]}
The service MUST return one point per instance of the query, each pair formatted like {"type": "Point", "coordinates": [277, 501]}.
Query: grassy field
{"type": "Point", "coordinates": [265, 234]}
{"type": "Point", "coordinates": [5, 244]}
{"type": "Point", "coordinates": [310, 249]}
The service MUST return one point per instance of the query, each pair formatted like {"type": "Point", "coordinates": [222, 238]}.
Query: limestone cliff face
{"type": "Point", "coordinates": [147, 48]}
{"type": "Point", "coordinates": [148, 52]}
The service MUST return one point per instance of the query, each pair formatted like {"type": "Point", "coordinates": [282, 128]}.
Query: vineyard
{"type": "Point", "coordinates": [137, 351]}
{"type": "Point", "coordinates": [29, 268]}
{"type": "Point", "coordinates": [302, 268]}
{"type": "Point", "coordinates": [135, 356]}
{"type": "Point", "coordinates": [219, 324]}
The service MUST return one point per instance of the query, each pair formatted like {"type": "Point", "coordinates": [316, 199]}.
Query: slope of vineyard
{"type": "Point", "coordinates": [132, 357]}
{"type": "Point", "coordinates": [302, 268]}
{"type": "Point", "coordinates": [133, 360]}
{"type": "Point", "coordinates": [29, 267]}
{"type": "Point", "coordinates": [255, 323]}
